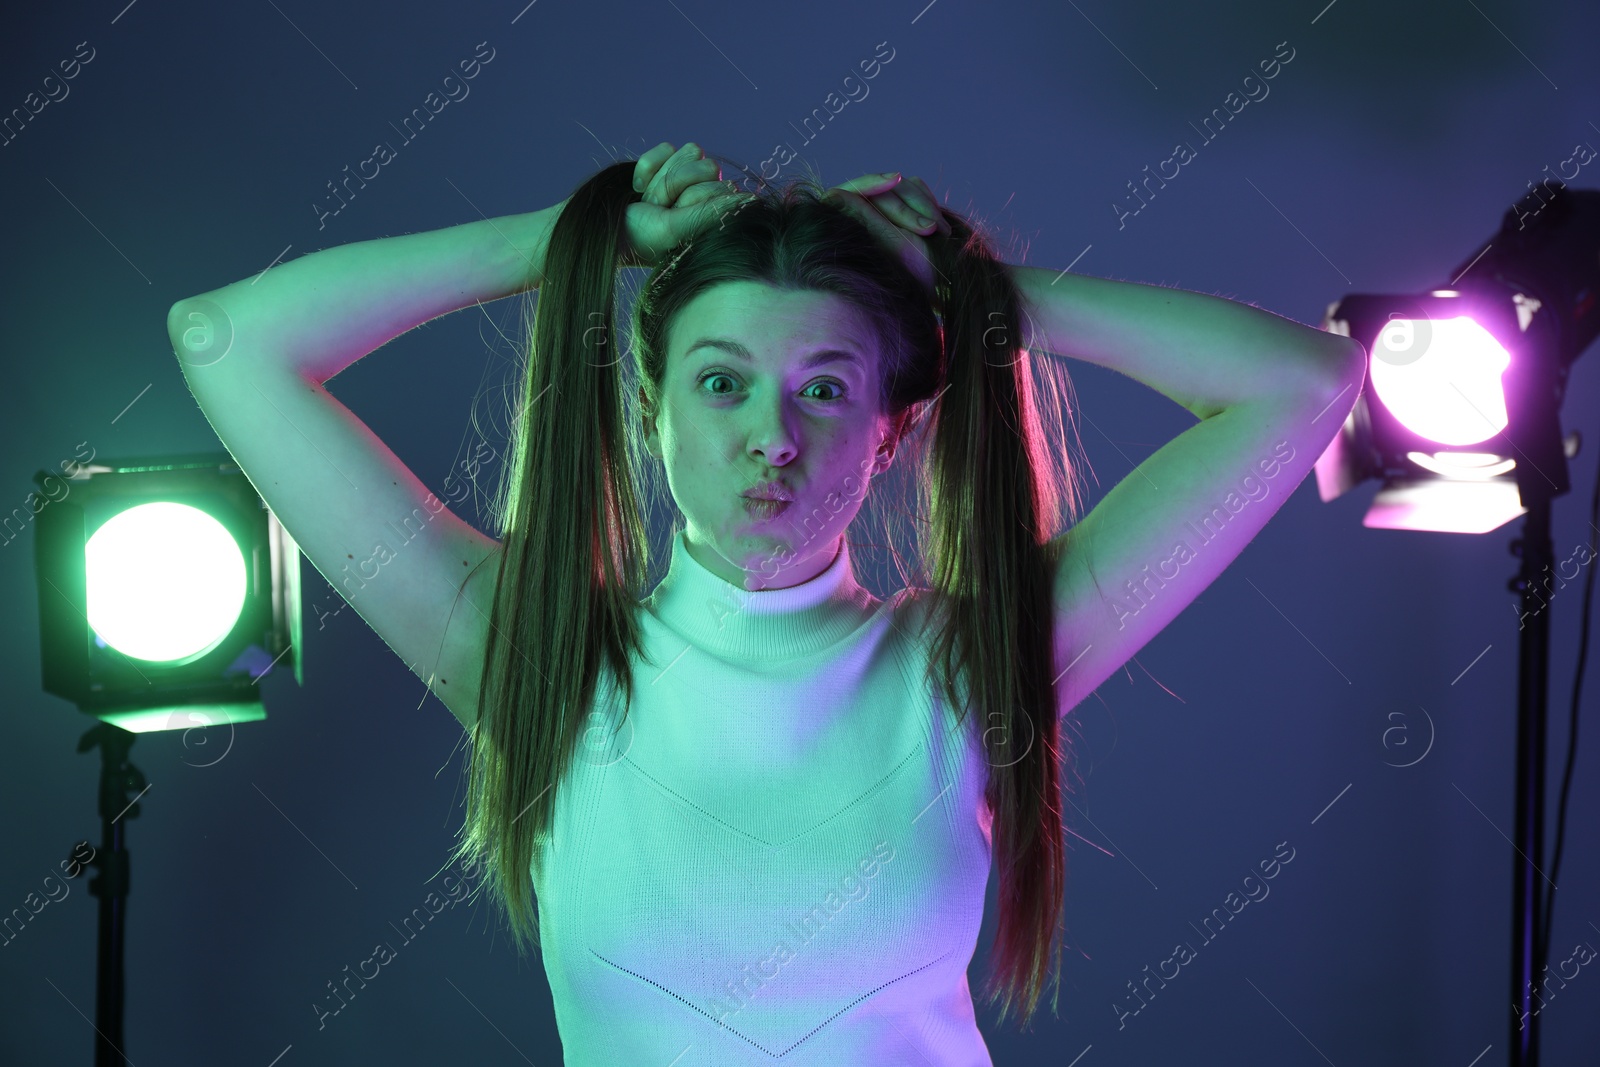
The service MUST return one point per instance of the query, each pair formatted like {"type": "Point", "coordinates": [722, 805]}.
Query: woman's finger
{"type": "Point", "coordinates": [931, 207]}
{"type": "Point", "coordinates": [685, 174]}
{"type": "Point", "coordinates": [653, 175]}
{"type": "Point", "coordinates": [647, 165]}
{"type": "Point", "coordinates": [921, 211]}
{"type": "Point", "coordinates": [862, 208]}
{"type": "Point", "coordinates": [909, 246]}
{"type": "Point", "coordinates": [703, 191]}
{"type": "Point", "coordinates": [891, 207]}
{"type": "Point", "coordinates": [906, 201]}
{"type": "Point", "coordinates": [918, 200]}
{"type": "Point", "coordinates": [657, 163]}
{"type": "Point", "coordinates": [673, 177]}
{"type": "Point", "coordinates": [870, 184]}
{"type": "Point", "coordinates": [896, 209]}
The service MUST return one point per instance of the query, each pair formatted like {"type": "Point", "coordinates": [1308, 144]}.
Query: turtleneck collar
{"type": "Point", "coordinates": [768, 625]}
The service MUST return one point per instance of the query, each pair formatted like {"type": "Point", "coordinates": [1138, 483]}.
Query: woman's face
{"type": "Point", "coordinates": [769, 385]}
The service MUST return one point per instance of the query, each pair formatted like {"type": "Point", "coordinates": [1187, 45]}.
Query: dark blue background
{"type": "Point", "coordinates": [189, 154]}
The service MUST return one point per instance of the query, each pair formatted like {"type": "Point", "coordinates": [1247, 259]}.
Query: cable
{"type": "Point", "coordinates": [1572, 746]}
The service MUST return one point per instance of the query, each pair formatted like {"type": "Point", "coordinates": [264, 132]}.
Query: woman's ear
{"type": "Point", "coordinates": [885, 454]}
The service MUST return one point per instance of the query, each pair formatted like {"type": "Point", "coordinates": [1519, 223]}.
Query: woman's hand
{"type": "Point", "coordinates": [683, 192]}
{"type": "Point", "coordinates": [899, 213]}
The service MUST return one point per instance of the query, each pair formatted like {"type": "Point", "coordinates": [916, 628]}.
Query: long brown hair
{"type": "Point", "coordinates": [575, 554]}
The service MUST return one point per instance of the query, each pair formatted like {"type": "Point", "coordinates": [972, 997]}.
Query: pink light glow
{"type": "Point", "coordinates": [1475, 507]}
{"type": "Point", "coordinates": [1441, 378]}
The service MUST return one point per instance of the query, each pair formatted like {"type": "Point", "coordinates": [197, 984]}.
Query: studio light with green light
{"type": "Point", "coordinates": [167, 591]}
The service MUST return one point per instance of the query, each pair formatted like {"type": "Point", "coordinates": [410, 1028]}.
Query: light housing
{"type": "Point", "coordinates": [1462, 400]}
{"type": "Point", "coordinates": [167, 590]}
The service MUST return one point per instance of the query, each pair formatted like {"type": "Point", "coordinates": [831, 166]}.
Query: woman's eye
{"type": "Point", "coordinates": [828, 382]}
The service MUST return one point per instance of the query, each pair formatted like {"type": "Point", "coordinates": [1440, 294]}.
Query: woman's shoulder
{"type": "Point", "coordinates": [912, 609]}
{"type": "Point", "coordinates": [914, 597]}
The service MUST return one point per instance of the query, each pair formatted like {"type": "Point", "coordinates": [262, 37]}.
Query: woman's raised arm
{"type": "Point", "coordinates": [256, 354]}
{"type": "Point", "coordinates": [320, 313]}
{"type": "Point", "coordinates": [1270, 393]}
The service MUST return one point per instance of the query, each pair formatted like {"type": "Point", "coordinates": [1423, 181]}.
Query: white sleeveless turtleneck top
{"type": "Point", "coordinates": [780, 856]}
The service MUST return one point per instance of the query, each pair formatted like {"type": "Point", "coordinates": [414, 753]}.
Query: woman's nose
{"type": "Point", "coordinates": [773, 435]}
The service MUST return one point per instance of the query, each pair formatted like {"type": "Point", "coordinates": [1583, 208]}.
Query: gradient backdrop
{"type": "Point", "coordinates": [194, 147]}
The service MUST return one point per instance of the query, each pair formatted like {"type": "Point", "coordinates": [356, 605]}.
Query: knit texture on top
{"type": "Point", "coordinates": [780, 855]}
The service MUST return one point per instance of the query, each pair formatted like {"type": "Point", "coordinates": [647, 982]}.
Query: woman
{"type": "Point", "coordinates": [775, 816]}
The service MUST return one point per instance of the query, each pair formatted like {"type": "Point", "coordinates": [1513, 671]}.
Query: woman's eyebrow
{"type": "Point", "coordinates": [739, 351]}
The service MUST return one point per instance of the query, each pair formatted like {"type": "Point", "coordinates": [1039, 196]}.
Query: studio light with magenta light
{"type": "Point", "coordinates": [1460, 422]}
{"type": "Point", "coordinates": [1465, 384]}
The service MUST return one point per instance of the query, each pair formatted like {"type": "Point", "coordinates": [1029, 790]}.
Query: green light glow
{"type": "Point", "coordinates": [164, 581]}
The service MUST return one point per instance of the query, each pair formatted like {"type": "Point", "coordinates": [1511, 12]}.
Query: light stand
{"type": "Point", "coordinates": [1535, 287]}
{"type": "Point", "coordinates": [1547, 271]}
{"type": "Point", "coordinates": [117, 778]}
